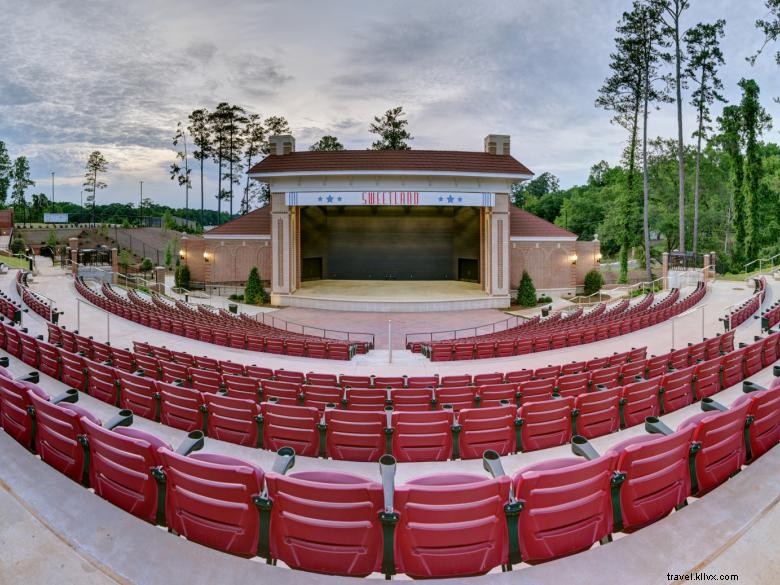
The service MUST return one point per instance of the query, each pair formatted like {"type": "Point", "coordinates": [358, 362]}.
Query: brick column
{"type": "Point", "coordinates": [73, 245]}
{"type": "Point", "coordinates": [159, 277]}
{"type": "Point", "coordinates": [705, 273]}
{"type": "Point", "coordinates": [665, 270]}
{"type": "Point", "coordinates": [114, 266]}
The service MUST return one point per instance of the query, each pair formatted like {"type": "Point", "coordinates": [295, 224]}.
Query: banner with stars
{"type": "Point", "coordinates": [412, 198]}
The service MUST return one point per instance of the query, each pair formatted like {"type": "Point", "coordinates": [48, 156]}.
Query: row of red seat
{"type": "Point", "coordinates": [32, 299]}
{"type": "Point", "coordinates": [10, 308]}
{"type": "Point", "coordinates": [221, 329]}
{"type": "Point", "coordinates": [770, 317]}
{"type": "Point", "coordinates": [439, 525]}
{"type": "Point", "coordinates": [499, 346]}
{"type": "Point", "coordinates": [296, 417]}
{"type": "Point", "coordinates": [750, 306]}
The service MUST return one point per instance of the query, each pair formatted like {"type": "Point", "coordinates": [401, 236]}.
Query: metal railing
{"type": "Point", "coordinates": [486, 329]}
{"type": "Point", "coordinates": [293, 327]}
{"type": "Point", "coordinates": [760, 261]}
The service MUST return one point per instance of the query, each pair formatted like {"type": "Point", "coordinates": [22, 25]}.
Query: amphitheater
{"type": "Point", "coordinates": [200, 446]}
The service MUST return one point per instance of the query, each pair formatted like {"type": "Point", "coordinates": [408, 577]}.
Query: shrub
{"type": "Point", "coordinates": [146, 265]}
{"type": "Point", "coordinates": [526, 292]}
{"type": "Point", "coordinates": [169, 255]}
{"type": "Point", "coordinates": [544, 299]}
{"type": "Point", "coordinates": [593, 282]}
{"type": "Point", "coordinates": [17, 245]}
{"type": "Point", "coordinates": [52, 239]}
{"type": "Point", "coordinates": [252, 294]}
{"type": "Point", "coordinates": [182, 276]}
{"type": "Point", "coordinates": [124, 260]}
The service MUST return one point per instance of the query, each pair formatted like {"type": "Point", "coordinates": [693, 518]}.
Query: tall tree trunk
{"type": "Point", "coordinates": [202, 218]}
{"type": "Point", "coordinates": [680, 148]}
{"type": "Point", "coordinates": [186, 177]}
{"type": "Point", "coordinates": [645, 184]}
{"type": "Point", "coordinates": [697, 176]}
{"type": "Point", "coordinates": [625, 241]}
{"type": "Point", "coordinates": [219, 188]}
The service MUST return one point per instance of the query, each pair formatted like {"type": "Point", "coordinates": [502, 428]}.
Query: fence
{"type": "Point", "coordinates": [124, 238]}
{"type": "Point", "coordinates": [292, 327]}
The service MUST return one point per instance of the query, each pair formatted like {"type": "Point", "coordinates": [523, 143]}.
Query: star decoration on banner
{"type": "Point", "coordinates": [460, 199]}
{"type": "Point", "coordinates": [319, 199]}
{"type": "Point", "coordinates": [450, 199]}
{"type": "Point", "coordinates": [339, 199]}
{"type": "Point", "coordinates": [330, 199]}
{"type": "Point", "coordinates": [441, 199]}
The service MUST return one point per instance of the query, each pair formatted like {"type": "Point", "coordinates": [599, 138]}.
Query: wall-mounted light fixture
{"type": "Point", "coordinates": [598, 256]}
{"type": "Point", "coordinates": [205, 256]}
{"type": "Point", "coordinates": [182, 253]}
{"type": "Point", "coordinates": [574, 259]}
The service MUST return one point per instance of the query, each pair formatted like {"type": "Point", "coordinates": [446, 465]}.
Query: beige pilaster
{"type": "Point", "coordinates": [283, 246]}
{"type": "Point", "coordinates": [499, 246]}
{"type": "Point", "coordinates": [665, 270]}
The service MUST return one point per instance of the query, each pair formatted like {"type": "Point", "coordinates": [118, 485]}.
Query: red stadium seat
{"type": "Point", "coordinates": [608, 377]}
{"type": "Point", "coordinates": [74, 370]}
{"type": "Point", "coordinates": [103, 383]}
{"type": "Point", "coordinates": [731, 368]}
{"type": "Point", "coordinates": [495, 394]}
{"type": "Point", "coordinates": [455, 380]}
{"type": "Point", "coordinates": [451, 525]}
{"type": "Point", "coordinates": [422, 436]}
{"type": "Point", "coordinates": [677, 389]}
{"type": "Point", "coordinates": [486, 428]}
{"type": "Point", "coordinates": [285, 392]}
{"type": "Point", "coordinates": [722, 452]}
{"type": "Point", "coordinates": [291, 426]}
{"type": "Point", "coordinates": [320, 396]}
{"type": "Point", "coordinates": [173, 372]}
{"type": "Point", "coordinates": [547, 372]}
{"type": "Point", "coordinates": [414, 399]}
{"type": "Point", "coordinates": [657, 479]}
{"type": "Point", "coordinates": [322, 379]}
{"type": "Point", "coordinates": [764, 430]}
{"type": "Point", "coordinates": [706, 379]}
{"type": "Point", "coordinates": [355, 381]}
{"type": "Point", "coordinates": [355, 435]}
{"type": "Point", "coordinates": [138, 394]}
{"type": "Point", "coordinates": [389, 381]}
{"type": "Point", "coordinates": [639, 400]}
{"type": "Point", "coordinates": [120, 460]}
{"type": "Point", "coordinates": [232, 419]}
{"type": "Point", "coordinates": [290, 376]}
{"type": "Point", "coordinates": [204, 491]}
{"type": "Point", "coordinates": [365, 399]}
{"type": "Point", "coordinates": [519, 376]}
{"type": "Point", "coordinates": [753, 359]}
{"type": "Point", "coordinates": [484, 379]}
{"type": "Point", "coordinates": [326, 522]}
{"type": "Point", "coordinates": [228, 367]}
{"type": "Point", "coordinates": [422, 381]}
{"type": "Point", "coordinates": [240, 386]}
{"type": "Point", "coordinates": [567, 506]}
{"type": "Point", "coordinates": [597, 413]}
{"type": "Point", "coordinates": [458, 397]}
{"type": "Point", "coordinates": [573, 384]}
{"type": "Point", "coordinates": [180, 407]}
{"type": "Point", "coordinates": [545, 423]}
{"type": "Point", "coordinates": [14, 405]}
{"type": "Point", "coordinates": [535, 390]}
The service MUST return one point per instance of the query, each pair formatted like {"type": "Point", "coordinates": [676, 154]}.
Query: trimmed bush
{"type": "Point", "coordinates": [252, 294]}
{"type": "Point", "coordinates": [182, 277]}
{"type": "Point", "coordinates": [593, 282]}
{"type": "Point", "coordinates": [17, 245]}
{"type": "Point", "coordinates": [526, 292]}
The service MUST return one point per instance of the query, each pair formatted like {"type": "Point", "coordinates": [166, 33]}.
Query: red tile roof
{"type": "Point", "coordinates": [390, 160]}
{"type": "Point", "coordinates": [254, 223]}
{"type": "Point", "coordinates": [522, 223]}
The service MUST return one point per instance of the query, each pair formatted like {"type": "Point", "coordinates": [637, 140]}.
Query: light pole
{"type": "Point", "coordinates": [141, 207]}
{"type": "Point", "coordinates": [52, 187]}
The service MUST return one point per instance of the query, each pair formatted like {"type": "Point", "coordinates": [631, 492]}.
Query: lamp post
{"type": "Point", "coordinates": [52, 187]}
{"type": "Point", "coordinates": [141, 207]}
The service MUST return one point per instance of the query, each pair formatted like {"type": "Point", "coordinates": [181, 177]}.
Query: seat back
{"type": "Point", "coordinates": [455, 380]}
{"type": "Point", "coordinates": [320, 396]}
{"type": "Point", "coordinates": [598, 413]}
{"type": "Point", "coordinates": [459, 397]}
{"type": "Point", "coordinates": [205, 380]}
{"type": "Point", "coordinates": [534, 390]}
{"type": "Point", "coordinates": [657, 476]}
{"type": "Point", "coordinates": [608, 377]}
{"type": "Point", "coordinates": [414, 399]}
{"type": "Point", "coordinates": [677, 389]}
{"type": "Point", "coordinates": [573, 384]}
{"type": "Point", "coordinates": [764, 430]}
{"type": "Point", "coordinates": [640, 400]}
{"type": "Point", "coordinates": [232, 419]}
{"type": "Point", "coordinates": [451, 525]}
{"type": "Point", "coordinates": [355, 435]}
{"type": "Point", "coordinates": [120, 463]}
{"type": "Point", "coordinates": [422, 436]}
{"type": "Point", "coordinates": [567, 506]}
{"type": "Point", "coordinates": [290, 426]}
{"type": "Point", "coordinates": [241, 386]}
{"type": "Point", "coordinates": [373, 399]}
{"type": "Point", "coordinates": [209, 500]}
{"type": "Point", "coordinates": [492, 394]}
{"type": "Point", "coordinates": [326, 522]}
{"type": "Point", "coordinates": [732, 369]}
{"type": "Point", "coordinates": [180, 407]}
{"type": "Point", "coordinates": [545, 424]}
{"type": "Point", "coordinates": [707, 379]}
{"type": "Point", "coordinates": [14, 404]}
{"type": "Point", "coordinates": [486, 428]}
{"type": "Point", "coordinates": [103, 382]}
{"type": "Point", "coordinates": [58, 428]}
{"type": "Point", "coordinates": [139, 394]}
{"type": "Point", "coordinates": [73, 370]}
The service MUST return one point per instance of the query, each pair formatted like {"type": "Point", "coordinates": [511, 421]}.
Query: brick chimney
{"type": "Point", "coordinates": [282, 144]}
{"type": "Point", "coordinates": [497, 144]}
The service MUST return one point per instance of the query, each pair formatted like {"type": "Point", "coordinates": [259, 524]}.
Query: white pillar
{"type": "Point", "coordinates": [281, 248]}
{"type": "Point", "coordinates": [499, 246]}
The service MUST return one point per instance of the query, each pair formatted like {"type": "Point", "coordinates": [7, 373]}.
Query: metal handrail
{"type": "Point", "coordinates": [308, 329]}
{"type": "Point", "coordinates": [456, 333]}
{"type": "Point", "coordinates": [760, 260]}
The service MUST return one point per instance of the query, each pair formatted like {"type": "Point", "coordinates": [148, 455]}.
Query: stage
{"type": "Point", "coordinates": [391, 296]}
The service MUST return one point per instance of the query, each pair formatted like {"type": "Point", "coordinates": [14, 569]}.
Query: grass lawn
{"type": "Point", "coordinates": [14, 262]}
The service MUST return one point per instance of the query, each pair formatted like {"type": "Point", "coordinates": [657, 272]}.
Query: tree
{"type": "Point", "coordinates": [181, 276]}
{"type": "Point", "coordinates": [274, 126]}
{"type": "Point", "coordinates": [254, 140]}
{"type": "Point", "coordinates": [644, 23]}
{"type": "Point", "coordinates": [252, 295]}
{"type": "Point", "coordinates": [593, 282]}
{"type": "Point", "coordinates": [125, 260]}
{"type": "Point", "coordinates": [20, 173]}
{"type": "Point", "coordinates": [671, 12]}
{"type": "Point", "coordinates": [327, 142]}
{"type": "Point", "coordinates": [235, 118]}
{"type": "Point", "coordinates": [218, 121]}
{"type": "Point", "coordinates": [729, 140]}
{"type": "Point", "coordinates": [96, 163]}
{"type": "Point", "coordinates": [146, 266]}
{"type": "Point", "coordinates": [38, 204]}
{"type": "Point", "coordinates": [528, 192]}
{"type": "Point", "coordinates": [771, 29]}
{"type": "Point", "coordinates": [5, 173]}
{"type": "Point", "coordinates": [200, 131]}
{"type": "Point", "coordinates": [391, 129]}
{"type": "Point", "coordinates": [526, 292]}
{"type": "Point", "coordinates": [168, 259]}
{"type": "Point", "coordinates": [17, 245]}
{"type": "Point", "coordinates": [754, 121]}
{"type": "Point", "coordinates": [702, 44]}
{"type": "Point", "coordinates": [179, 174]}
{"type": "Point", "coordinates": [622, 95]}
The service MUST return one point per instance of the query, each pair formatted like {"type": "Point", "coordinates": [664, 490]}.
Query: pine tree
{"type": "Point", "coordinates": [730, 140]}
{"type": "Point", "coordinates": [20, 173]}
{"type": "Point", "coordinates": [702, 44]}
{"type": "Point", "coordinates": [178, 173]}
{"type": "Point", "coordinates": [5, 173]}
{"type": "Point", "coordinates": [218, 120]}
{"type": "Point", "coordinates": [391, 129]}
{"type": "Point", "coordinates": [96, 163]}
{"type": "Point", "coordinates": [254, 139]}
{"type": "Point", "coordinates": [200, 131]}
{"type": "Point", "coordinates": [252, 294]}
{"type": "Point", "coordinates": [526, 292]}
{"type": "Point", "coordinates": [326, 143]}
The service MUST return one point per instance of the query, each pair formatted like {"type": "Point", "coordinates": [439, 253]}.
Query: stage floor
{"type": "Point", "coordinates": [392, 296]}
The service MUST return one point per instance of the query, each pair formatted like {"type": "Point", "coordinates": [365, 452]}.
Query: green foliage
{"type": "Point", "coordinates": [125, 224]}
{"type": "Point", "coordinates": [20, 173]}
{"type": "Point", "coordinates": [327, 142]}
{"type": "Point", "coordinates": [96, 163]}
{"type": "Point", "coordinates": [181, 276]}
{"type": "Point", "coordinates": [52, 239]}
{"type": "Point", "coordinates": [146, 265]}
{"type": "Point", "coordinates": [593, 282]}
{"type": "Point", "coordinates": [252, 294]}
{"type": "Point", "coordinates": [125, 260]}
{"type": "Point", "coordinates": [529, 196]}
{"type": "Point", "coordinates": [168, 255]}
{"type": "Point", "coordinates": [5, 173]}
{"type": "Point", "coordinates": [168, 223]}
{"type": "Point", "coordinates": [391, 129]}
{"type": "Point", "coordinates": [526, 292]}
{"type": "Point", "coordinates": [17, 245]}
{"type": "Point", "coordinates": [544, 299]}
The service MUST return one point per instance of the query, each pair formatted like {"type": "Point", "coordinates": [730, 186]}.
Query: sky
{"type": "Point", "coordinates": [80, 75]}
